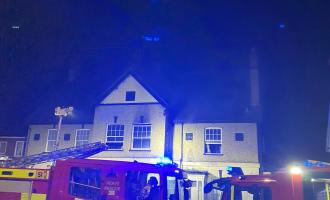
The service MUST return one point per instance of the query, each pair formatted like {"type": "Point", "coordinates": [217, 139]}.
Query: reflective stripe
{"type": "Point", "coordinates": [232, 192]}
{"type": "Point", "coordinates": [34, 196]}
{"type": "Point", "coordinates": [24, 173]}
{"type": "Point", "coordinates": [327, 190]}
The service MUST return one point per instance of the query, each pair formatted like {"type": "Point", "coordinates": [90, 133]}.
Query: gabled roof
{"type": "Point", "coordinates": [135, 76]}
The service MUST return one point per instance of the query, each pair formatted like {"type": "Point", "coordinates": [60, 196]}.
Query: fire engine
{"type": "Point", "coordinates": [309, 182]}
{"type": "Point", "coordinates": [80, 179]}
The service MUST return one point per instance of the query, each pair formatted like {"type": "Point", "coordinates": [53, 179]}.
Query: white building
{"type": "Point", "coordinates": [137, 125]}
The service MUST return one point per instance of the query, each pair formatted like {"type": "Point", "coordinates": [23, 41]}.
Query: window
{"type": "Point", "coordinates": [141, 136]}
{"type": "Point", "coordinates": [36, 137]}
{"type": "Point", "coordinates": [130, 96]}
{"type": "Point", "coordinates": [19, 149]}
{"type": "Point", "coordinates": [82, 136]}
{"type": "Point", "coordinates": [189, 136]}
{"type": "Point", "coordinates": [85, 183]}
{"type": "Point", "coordinates": [51, 140]}
{"type": "Point", "coordinates": [3, 147]}
{"type": "Point", "coordinates": [115, 136]}
{"type": "Point", "coordinates": [67, 136]}
{"type": "Point", "coordinates": [239, 136]}
{"type": "Point", "coordinates": [212, 141]}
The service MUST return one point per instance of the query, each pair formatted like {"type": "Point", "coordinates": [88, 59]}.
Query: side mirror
{"type": "Point", "coordinates": [208, 188]}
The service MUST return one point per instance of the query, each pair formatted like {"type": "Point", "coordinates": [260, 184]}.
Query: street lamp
{"type": "Point", "coordinates": [61, 112]}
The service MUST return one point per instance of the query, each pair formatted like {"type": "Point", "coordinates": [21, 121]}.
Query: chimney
{"type": "Point", "coordinates": [254, 79]}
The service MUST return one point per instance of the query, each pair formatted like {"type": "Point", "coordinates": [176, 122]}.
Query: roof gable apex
{"type": "Point", "coordinates": [130, 90]}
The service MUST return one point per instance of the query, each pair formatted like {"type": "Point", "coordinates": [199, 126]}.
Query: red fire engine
{"type": "Point", "coordinates": [307, 183]}
{"type": "Point", "coordinates": [74, 179]}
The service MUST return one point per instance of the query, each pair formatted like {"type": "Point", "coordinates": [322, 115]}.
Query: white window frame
{"type": "Point", "coordinates": [50, 140]}
{"type": "Point", "coordinates": [83, 129]}
{"type": "Point", "coordinates": [16, 145]}
{"type": "Point", "coordinates": [5, 144]}
{"type": "Point", "coordinates": [213, 141]}
{"type": "Point", "coordinates": [114, 136]}
{"type": "Point", "coordinates": [132, 144]}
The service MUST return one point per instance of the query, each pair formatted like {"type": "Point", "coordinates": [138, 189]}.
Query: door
{"type": "Point", "coordinates": [197, 189]}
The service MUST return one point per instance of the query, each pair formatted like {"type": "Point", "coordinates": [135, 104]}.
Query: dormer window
{"type": "Point", "coordinates": [130, 96]}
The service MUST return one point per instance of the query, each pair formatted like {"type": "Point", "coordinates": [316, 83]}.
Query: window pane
{"type": "Point", "coordinates": [141, 136]}
{"type": "Point", "coordinates": [85, 183]}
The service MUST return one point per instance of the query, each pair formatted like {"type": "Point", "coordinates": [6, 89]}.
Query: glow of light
{"type": "Point", "coordinates": [164, 161]}
{"type": "Point", "coordinates": [177, 171]}
{"type": "Point", "coordinates": [15, 27]}
{"type": "Point", "coordinates": [282, 26]}
{"type": "Point", "coordinates": [295, 170]}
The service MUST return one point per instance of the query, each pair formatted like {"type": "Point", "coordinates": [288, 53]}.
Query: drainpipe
{"type": "Point", "coordinates": [181, 147]}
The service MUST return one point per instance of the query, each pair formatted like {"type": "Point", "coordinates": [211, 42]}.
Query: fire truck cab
{"type": "Point", "coordinates": [74, 179]}
{"type": "Point", "coordinates": [308, 183]}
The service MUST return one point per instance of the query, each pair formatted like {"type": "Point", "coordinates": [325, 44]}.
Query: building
{"type": "Point", "coordinates": [12, 147]}
{"type": "Point", "coordinates": [138, 125]}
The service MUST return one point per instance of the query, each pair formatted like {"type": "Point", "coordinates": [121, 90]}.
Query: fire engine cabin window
{"type": "Point", "coordinates": [82, 137]}
{"type": "Point", "coordinates": [212, 141]}
{"type": "Point", "coordinates": [3, 147]}
{"type": "Point", "coordinates": [115, 136]}
{"type": "Point", "coordinates": [141, 136]}
{"type": "Point", "coordinates": [130, 96]}
{"type": "Point", "coordinates": [239, 137]}
{"type": "Point", "coordinates": [85, 183]}
{"type": "Point", "coordinates": [51, 140]}
{"type": "Point", "coordinates": [142, 185]}
{"type": "Point", "coordinates": [36, 137]}
{"type": "Point", "coordinates": [171, 187]}
{"type": "Point", "coordinates": [67, 136]}
{"type": "Point", "coordinates": [19, 149]}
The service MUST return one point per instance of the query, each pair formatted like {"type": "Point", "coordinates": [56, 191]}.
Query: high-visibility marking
{"type": "Point", "coordinates": [232, 192]}
{"type": "Point", "coordinates": [34, 196]}
{"type": "Point", "coordinates": [327, 190]}
{"type": "Point", "coordinates": [24, 173]}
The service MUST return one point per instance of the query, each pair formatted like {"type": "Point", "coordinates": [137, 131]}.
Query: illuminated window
{"type": "Point", "coordinates": [82, 136]}
{"type": "Point", "coordinates": [212, 141]}
{"type": "Point", "coordinates": [3, 147]}
{"type": "Point", "coordinates": [130, 96]}
{"type": "Point", "coordinates": [239, 136]}
{"type": "Point", "coordinates": [115, 136]}
{"type": "Point", "coordinates": [51, 140]}
{"type": "Point", "coordinates": [36, 137]}
{"type": "Point", "coordinates": [19, 149]}
{"type": "Point", "coordinates": [141, 136]}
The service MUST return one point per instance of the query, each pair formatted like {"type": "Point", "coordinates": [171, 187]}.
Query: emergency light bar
{"type": "Point", "coordinates": [235, 171]}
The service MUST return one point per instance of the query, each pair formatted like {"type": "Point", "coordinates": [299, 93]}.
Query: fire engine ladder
{"type": "Point", "coordinates": [81, 151]}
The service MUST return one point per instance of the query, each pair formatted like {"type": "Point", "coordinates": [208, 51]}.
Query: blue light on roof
{"type": "Point", "coordinates": [164, 161]}
{"type": "Point", "coordinates": [229, 168]}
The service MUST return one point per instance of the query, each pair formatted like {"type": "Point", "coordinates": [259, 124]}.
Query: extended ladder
{"type": "Point", "coordinates": [81, 151]}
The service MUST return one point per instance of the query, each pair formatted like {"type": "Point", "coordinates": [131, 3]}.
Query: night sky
{"type": "Point", "coordinates": [50, 48]}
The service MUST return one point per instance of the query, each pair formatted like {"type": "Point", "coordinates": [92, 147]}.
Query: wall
{"type": "Point", "coordinates": [35, 147]}
{"type": "Point", "coordinates": [127, 115]}
{"type": "Point", "coordinates": [11, 144]}
{"type": "Point", "coordinates": [129, 84]}
{"type": "Point", "coordinates": [237, 153]}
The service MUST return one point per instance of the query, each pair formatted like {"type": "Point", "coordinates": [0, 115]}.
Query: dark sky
{"type": "Point", "coordinates": [49, 48]}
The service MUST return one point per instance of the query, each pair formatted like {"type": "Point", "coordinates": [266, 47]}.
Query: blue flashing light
{"type": "Point", "coordinates": [164, 161]}
{"type": "Point", "coordinates": [235, 171]}
{"type": "Point", "coordinates": [282, 26]}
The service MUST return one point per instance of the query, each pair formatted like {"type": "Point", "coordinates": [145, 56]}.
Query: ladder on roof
{"type": "Point", "coordinates": [81, 151]}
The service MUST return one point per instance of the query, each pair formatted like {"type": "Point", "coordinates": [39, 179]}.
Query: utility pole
{"type": "Point", "coordinates": [61, 112]}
